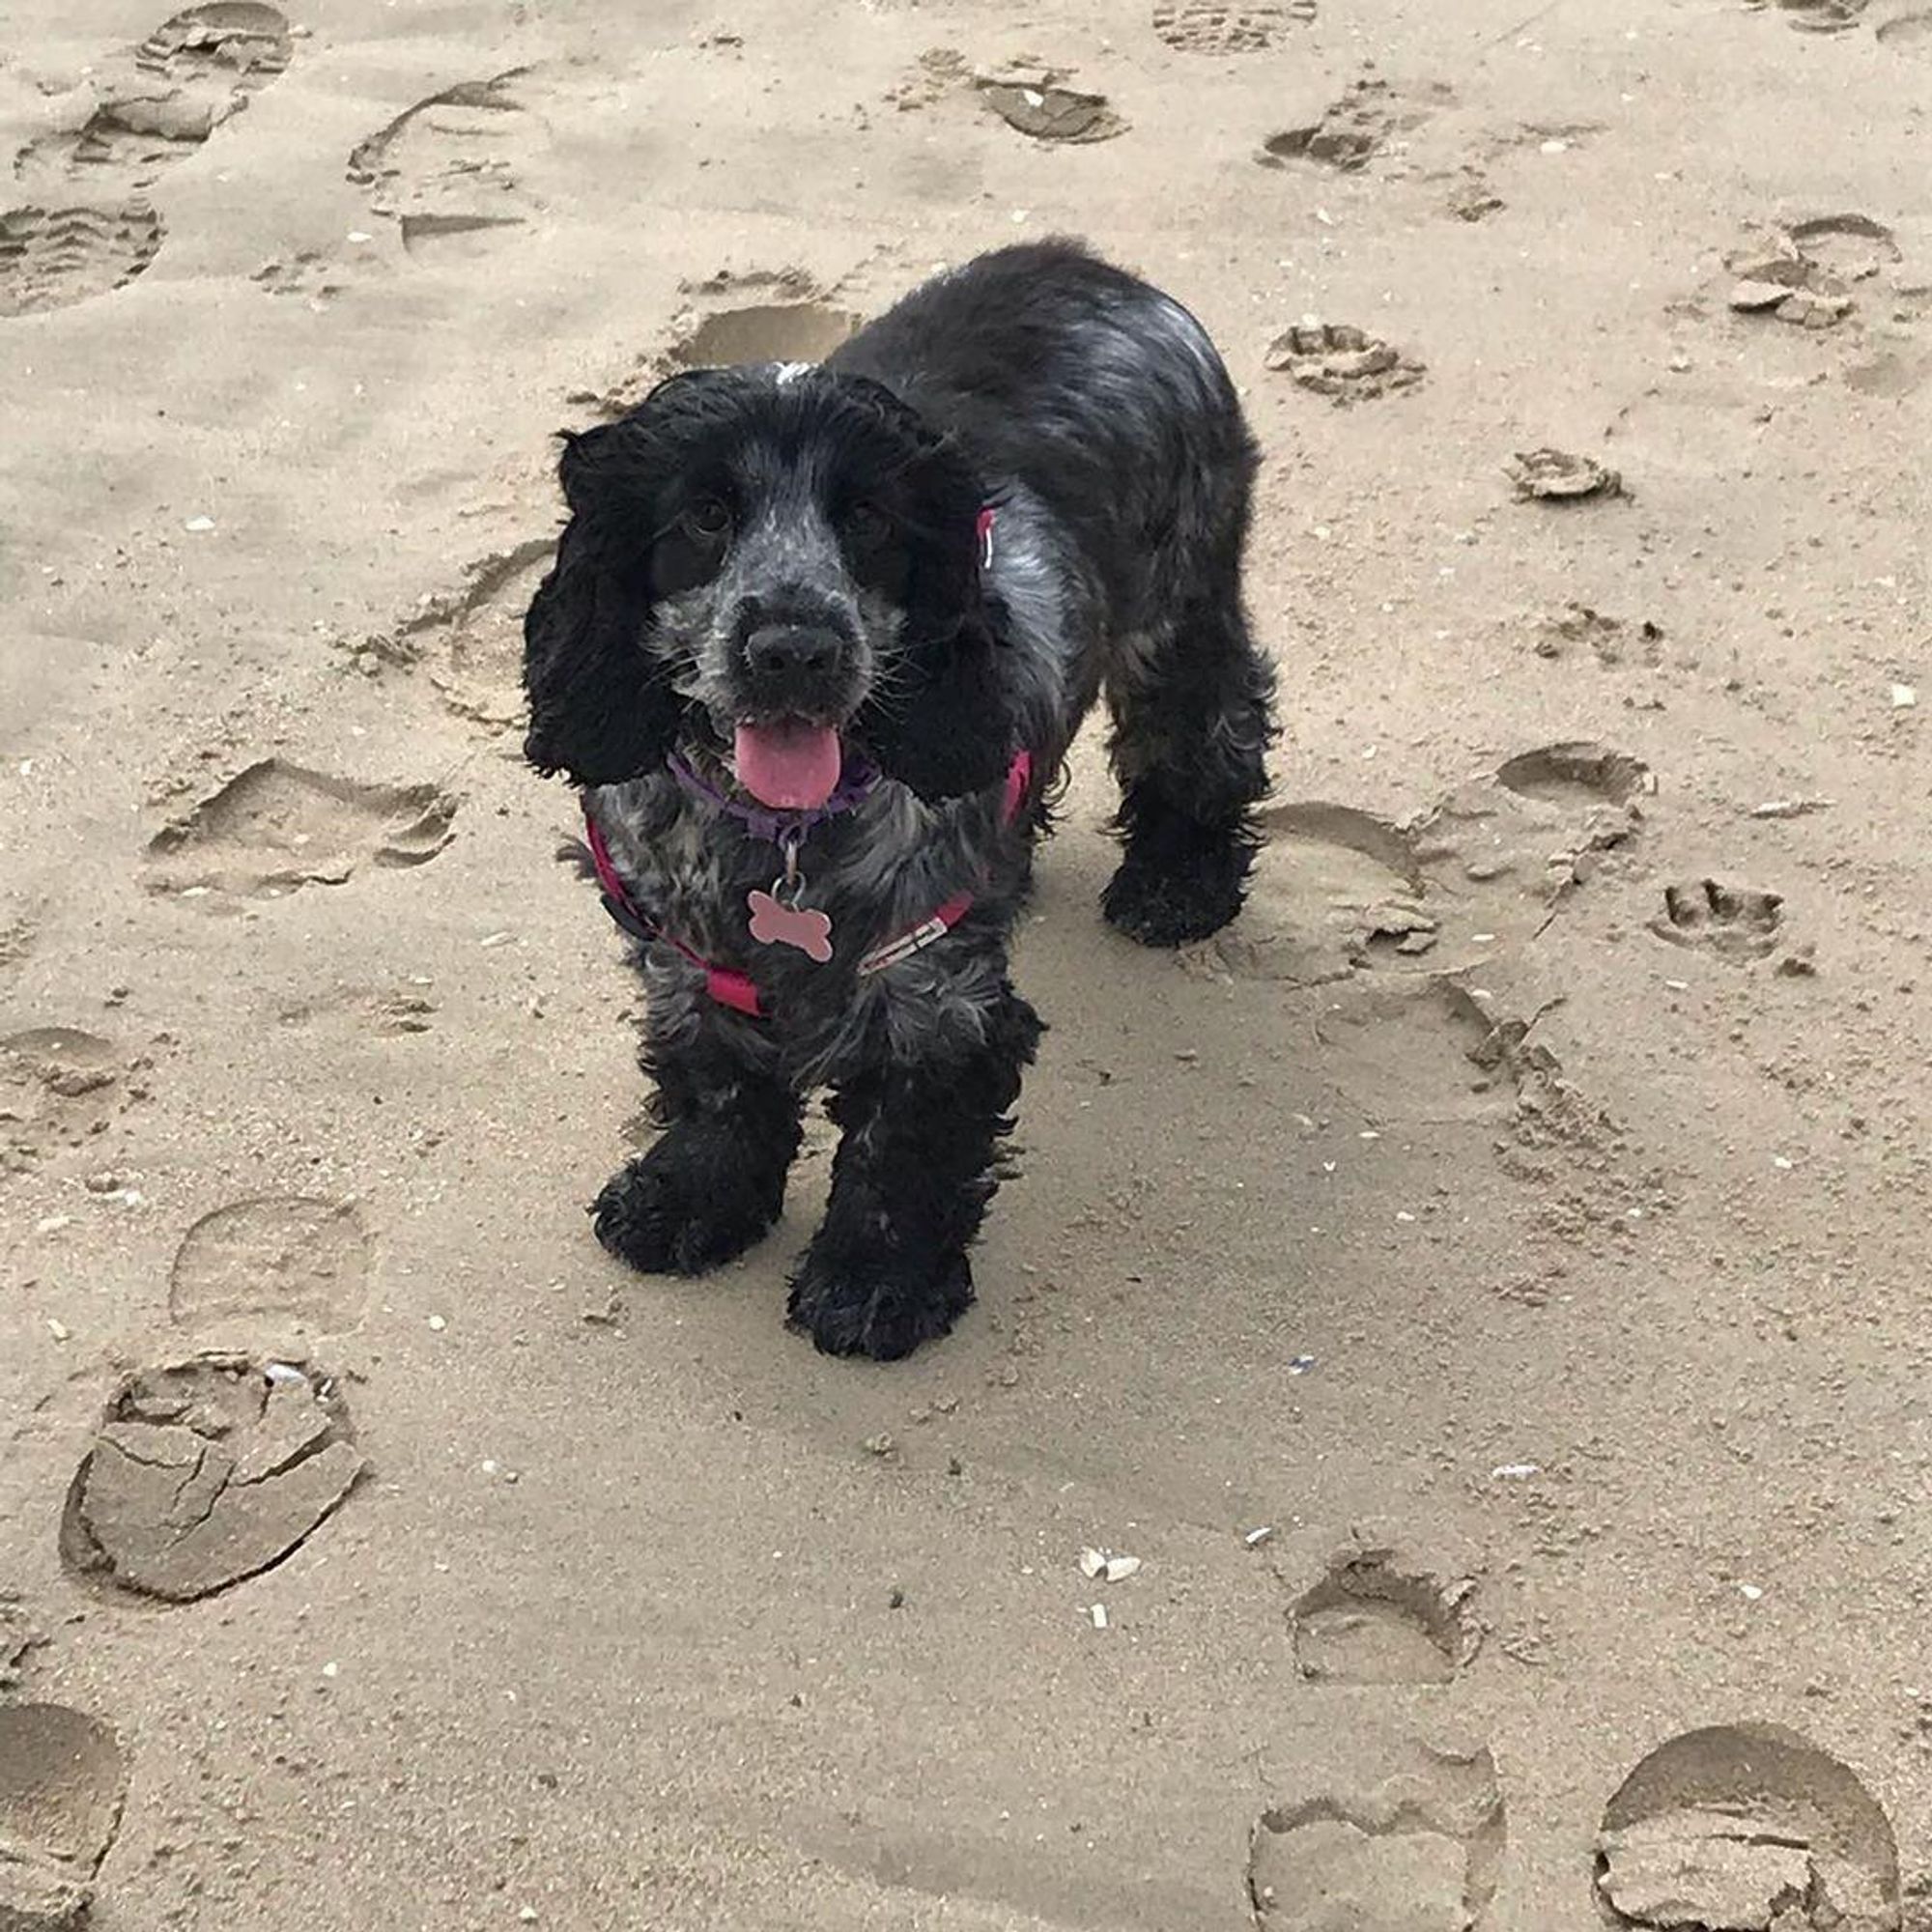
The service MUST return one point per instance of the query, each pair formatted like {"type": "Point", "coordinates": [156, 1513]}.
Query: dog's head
{"type": "Point", "coordinates": [779, 565]}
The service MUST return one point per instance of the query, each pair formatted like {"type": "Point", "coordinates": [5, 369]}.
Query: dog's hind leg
{"type": "Point", "coordinates": [916, 1167]}
{"type": "Point", "coordinates": [1192, 706]}
{"type": "Point", "coordinates": [713, 1181]}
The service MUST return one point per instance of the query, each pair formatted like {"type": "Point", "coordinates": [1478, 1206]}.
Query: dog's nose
{"type": "Point", "coordinates": [791, 650]}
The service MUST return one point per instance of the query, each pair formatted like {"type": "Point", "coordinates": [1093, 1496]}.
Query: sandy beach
{"type": "Point", "coordinates": [1443, 1440]}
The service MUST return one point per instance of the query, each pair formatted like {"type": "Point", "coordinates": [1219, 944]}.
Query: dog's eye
{"type": "Point", "coordinates": [708, 519]}
{"type": "Point", "coordinates": [867, 526]}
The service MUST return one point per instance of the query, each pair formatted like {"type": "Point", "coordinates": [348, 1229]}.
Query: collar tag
{"type": "Point", "coordinates": [987, 517]}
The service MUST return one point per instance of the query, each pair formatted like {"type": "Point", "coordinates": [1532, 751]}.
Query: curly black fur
{"type": "Point", "coordinates": [888, 1269]}
{"type": "Point", "coordinates": [714, 1181]}
{"type": "Point", "coordinates": [836, 508]}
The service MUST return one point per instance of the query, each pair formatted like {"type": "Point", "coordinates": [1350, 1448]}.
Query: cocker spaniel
{"type": "Point", "coordinates": [817, 638]}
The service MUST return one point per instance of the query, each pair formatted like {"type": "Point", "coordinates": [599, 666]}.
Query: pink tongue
{"type": "Point", "coordinates": [793, 766]}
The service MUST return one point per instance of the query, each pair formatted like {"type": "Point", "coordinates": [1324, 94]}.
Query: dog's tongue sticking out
{"type": "Point", "coordinates": [793, 765]}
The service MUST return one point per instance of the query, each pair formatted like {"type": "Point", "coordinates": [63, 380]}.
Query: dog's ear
{"type": "Point", "coordinates": [601, 710]}
{"type": "Point", "coordinates": [945, 723]}
{"type": "Point", "coordinates": [947, 728]}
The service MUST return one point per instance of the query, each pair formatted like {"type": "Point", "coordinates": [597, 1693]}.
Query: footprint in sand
{"type": "Point", "coordinates": [1805, 274]}
{"type": "Point", "coordinates": [1036, 103]}
{"type": "Point", "coordinates": [1819, 16]}
{"type": "Point", "coordinates": [309, 273]}
{"type": "Point", "coordinates": [1335, 890]}
{"type": "Point", "coordinates": [161, 101]}
{"type": "Point", "coordinates": [207, 1471]}
{"type": "Point", "coordinates": [1339, 890]}
{"type": "Point", "coordinates": [1204, 27]}
{"type": "Point", "coordinates": [86, 230]}
{"type": "Point", "coordinates": [1909, 34]}
{"type": "Point", "coordinates": [480, 668]}
{"type": "Point", "coordinates": [1558, 476]}
{"type": "Point", "coordinates": [1375, 1618]}
{"type": "Point", "coordinates": [1747, 1825]}
{"type": "Point", "coordinates": [788, 320]}
{"type": "Point", "coordinates": [1579, 771]}
{"type": "Point", "coordinates": [1513, 846]}
{"type": "Point", "coordinates": [472, 638]}
{"type": "Point", "coordinates": [785, 331]}
{"type": "Point", "coordinates": [1610, 641]}
{"type": "Point", "coordinates": [284, 1263]}
{"type": "Point", "coordinates": [53, 257]}
{"type": "Point", "coordinates": [1428, 1056]}
{"type": "Point", "coordinates": [451, 170]}
{"type": "Point", "coordinates": [1408, 1042]}
{"type": "Point", "coordinates": [277, 827]}
{"type": "Point", "coordinates": [59, 1087]}
{"type": "Point", "coordinates": [1345, 364]}
{"type": "Point", "coordinates": [1422, 1851]}
{"type": "Point", "coordinates": [1417, 1051]}
{"type": "Point", "coordinates": [1852, 246]}
{"type": "Point", "coordinates": [1354, 129]}
{"type": "Point", "coordinates": [394, 1011]}
{"type": "Point", "coordinates": [1472, 198]}
{"type": "Point", "coordinates": [63, 1781]}
{"type": "Point", "coordinates": [1735, 923]}
{"type": "Point", "coordinates": [230, 43]}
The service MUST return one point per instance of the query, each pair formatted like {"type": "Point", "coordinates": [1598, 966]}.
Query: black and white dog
{"type": "Point", "coordinates": [817, 637]}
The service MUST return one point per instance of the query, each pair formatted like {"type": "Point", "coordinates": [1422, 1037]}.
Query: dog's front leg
{"type": "Point", "coordinates": [713, 1181]}
{"type": "Point", "coordinates": [916, 1167]}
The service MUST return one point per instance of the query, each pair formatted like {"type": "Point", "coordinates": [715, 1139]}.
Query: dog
{"type": "Point", "coordinates": [816, 644]}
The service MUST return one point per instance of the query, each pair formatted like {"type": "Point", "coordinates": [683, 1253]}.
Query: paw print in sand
{"type": "Point", "coordinates": [1733, 922]}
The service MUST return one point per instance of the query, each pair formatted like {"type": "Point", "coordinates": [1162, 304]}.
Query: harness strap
{"type": "Point", "coordinates": [736, 991]}
{"type": "Point", "coordinates": [938, 924]}
{"type": "Point", "coordinates": [728, 988]}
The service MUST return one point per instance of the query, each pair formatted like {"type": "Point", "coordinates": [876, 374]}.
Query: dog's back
{"type": "Point", "coordinates": [1098, 393]}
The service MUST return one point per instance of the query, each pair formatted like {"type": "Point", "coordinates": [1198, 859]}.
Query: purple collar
{"type": "Point", "coordinates": [857, 783]}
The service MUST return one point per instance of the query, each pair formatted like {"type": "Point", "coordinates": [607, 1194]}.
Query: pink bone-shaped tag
{"type": "Point", "coordinates": [776, 924]}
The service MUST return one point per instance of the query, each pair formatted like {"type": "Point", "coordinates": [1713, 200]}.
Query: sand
{"type": "Point", "coordinates": [1484, 1289]}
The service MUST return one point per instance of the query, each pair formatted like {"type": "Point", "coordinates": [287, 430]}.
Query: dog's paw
{"type": "Point", "coordinates": [1160, 907]}
{"type": "Point", "coordinates": [854, 1304]}
{"type": "Point", "coordinates": [681, 1210]}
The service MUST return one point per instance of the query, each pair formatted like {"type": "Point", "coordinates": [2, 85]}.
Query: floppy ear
{"type": "Point", "coordinates": [947, 728]}
{"type": "Point", "coordinates": [601, 710]}
{"type": "Point", "coordinates": [945, 725]}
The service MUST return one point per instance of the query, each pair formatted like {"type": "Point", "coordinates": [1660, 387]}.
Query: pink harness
{"type": "Point", "coordinates": [736, 991]}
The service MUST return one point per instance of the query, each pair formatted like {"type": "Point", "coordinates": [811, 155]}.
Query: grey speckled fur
{"type": "Point", "coordinates": [877, 871]}
{"type": "Point", "coordinates": [783, 542]}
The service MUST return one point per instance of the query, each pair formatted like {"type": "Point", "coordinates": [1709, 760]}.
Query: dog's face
{"type": "Point", "coordinates": [777, 563]}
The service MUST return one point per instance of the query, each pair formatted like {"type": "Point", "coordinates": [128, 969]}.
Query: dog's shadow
{"type": "Point", "coordinates": [1222, 1190]}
